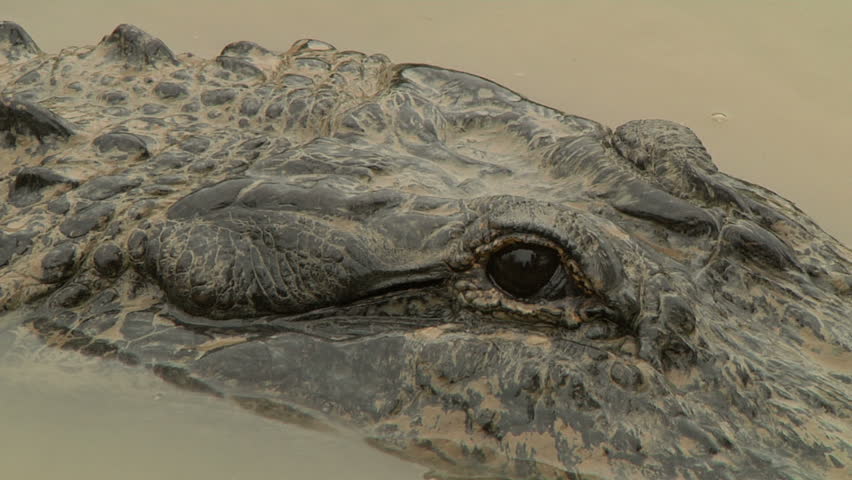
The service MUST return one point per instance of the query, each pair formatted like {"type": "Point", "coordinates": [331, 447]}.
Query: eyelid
{"type": "Point", "coordinates": [605, 256]}
{"type": "Point", "coordinates": [485, 250]}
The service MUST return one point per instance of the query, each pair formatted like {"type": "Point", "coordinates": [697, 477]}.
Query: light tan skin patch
{"type": "Point", "coordinates": [220, 342]}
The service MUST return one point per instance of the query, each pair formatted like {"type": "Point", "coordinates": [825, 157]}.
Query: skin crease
{"type": "Point", "coordinates": [335, 255]}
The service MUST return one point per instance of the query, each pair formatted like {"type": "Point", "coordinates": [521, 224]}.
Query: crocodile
{"type": "Point", "coordinates": [470, 279]}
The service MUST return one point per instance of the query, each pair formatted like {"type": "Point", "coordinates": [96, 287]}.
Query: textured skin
{"type": "Point", "coordinates": [307, 233]}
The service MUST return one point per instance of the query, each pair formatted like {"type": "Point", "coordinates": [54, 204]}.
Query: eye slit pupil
{"type": "Point", "coordinates": [522, 270]}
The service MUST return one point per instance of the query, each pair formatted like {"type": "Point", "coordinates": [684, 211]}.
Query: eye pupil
{"type": "Point", "coordinates": [521, 270]}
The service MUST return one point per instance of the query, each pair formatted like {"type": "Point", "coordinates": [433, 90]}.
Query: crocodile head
{"type": "Point", "coordinates": [473, 280]}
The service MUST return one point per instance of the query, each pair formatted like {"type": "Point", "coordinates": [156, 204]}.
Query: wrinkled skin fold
{"type": "Point", "coordinates": [315, 234]}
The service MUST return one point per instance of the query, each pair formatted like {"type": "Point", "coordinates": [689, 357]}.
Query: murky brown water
{"type": "Point", "coordinates": [764, 84]}
{"type": "Point", "coordinates": [68, 416]}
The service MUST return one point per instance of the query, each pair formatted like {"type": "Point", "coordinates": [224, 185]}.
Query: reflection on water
{"type": "Point", "coordinates": [68, 416]}
{"type": "Point", "coordinates": [772, 107]}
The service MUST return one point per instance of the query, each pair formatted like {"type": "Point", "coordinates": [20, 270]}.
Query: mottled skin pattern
{"type": "Point", "coordinates": [310, 233]}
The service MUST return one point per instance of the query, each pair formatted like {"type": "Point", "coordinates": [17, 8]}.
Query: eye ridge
{"type": "Point", "coordinates": [523, 269]}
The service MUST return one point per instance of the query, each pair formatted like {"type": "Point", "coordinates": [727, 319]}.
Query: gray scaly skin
{"type": "Point", "coordinates": [319, 236]}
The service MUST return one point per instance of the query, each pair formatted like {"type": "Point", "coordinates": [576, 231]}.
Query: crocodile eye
{"type": "Point", "coordinates": [522, 270]}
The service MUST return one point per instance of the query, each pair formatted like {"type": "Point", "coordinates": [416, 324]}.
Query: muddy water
{"type": "Point", "coordinates": [73, 417]}
{"type": "Point", "coordinates": [764, 84]}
